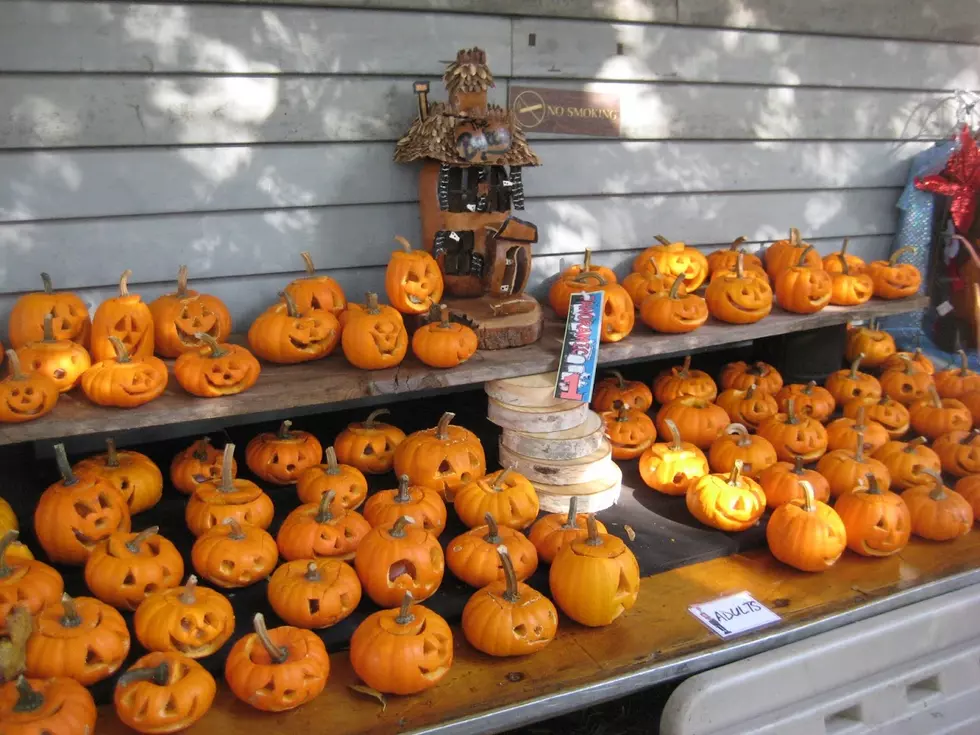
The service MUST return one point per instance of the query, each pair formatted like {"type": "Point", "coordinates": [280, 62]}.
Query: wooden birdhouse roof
{"type": "Point", "coordinates": [469, 73]}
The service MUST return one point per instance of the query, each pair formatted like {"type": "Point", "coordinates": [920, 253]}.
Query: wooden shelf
{"type": "Point", "coordinates": [328, 384]}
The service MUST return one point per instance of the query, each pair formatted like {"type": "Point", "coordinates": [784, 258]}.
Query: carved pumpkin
{"type": "Point", "coordinates": [347, 483]}
{"type": "Point", "coordinates": [633, 393]}
{"type": "Point", "coordinates": [807, 535]}
{"type": "Point", "coordinates": [842, 433]}
{"type": "Point", "coordinates": [726, 259]}
{"type": "Point", "coordinates": [847, 470]}
{"type": "Point", "coordinates": [795, 436]}
{"type": "Point", "coordinates": [954, 382]}
{"type": "Point", "coordinates": [640, 285]}
{"type": "Point", "coordinates": [742, 375]}
{"type": "Point", "coordinates": [25, 582]}
{"type": "Point", "coordinates": [810, 400]}
{"type": "Point", "coordinates": [59, 705]}
{"type": "Point", "coordinates": [413, 281]}
{"type": "Point", "coordinates": [442, 343]}
{"type": "Point", "coordinates": [284, 334]}
{"type": "Point", "coordinates": [444, 458]}
{"type": "Point", "coordinates": [851, 285]}
{"type": "Point", "coordinates": [728, 501]}
{"type": "Point", "coordinates": [934, 416]}
{"type": "Point", "coordinates": [314, 293]}
{"type": "Point", "coordinates": [126, 318]}
{"type": "Point", "coordinates": [919, 362]}
{"type": "Point", "coordinates": [618, 314]}
{"type": "Point", "coordinates": [163, 693]}
{"type": "Point", "coordinates": [843, 262]}
{"type": "Point", "coordinates": [216, 370]}
{"type": "Point", "coordinates": [374, 336]}
{"type": "Point", "coordinates": [179, 317]}
{"type": "Point", "coordinates": [877, 521]}
{"type": "Point", "coordinates": [803, 289]}
{"type": "Point", "coordinates": [959, 452]}
{"type": "Point", "coordinates": [969, 488]}
{"type": "Point", "coordinates": [907, 385]}
{"type": "Point", "coordinates": [230, 555]}
{"type": "Point", "coordinates": [607, 274]}
{"type": "Point", "coordinates": [875, 344]}
{"type": "Point", "coordinates": [282, 458]}
{"type": "Point", "coordinates": [672, 467]}
{"type": "Point", "coordinates": [845, 385]}
{"type": "Point", "coordinates": [971, 399]}
{"type": "Point", "coordinates": [759, 274]}
{"type": "Point", "coordinates": [472, 556]}
{"type": "Point", "coordinates": [71, 318]}
{"type": "Point", "coordinates": [129, 566]}
{"type": "Point", "coordinates": [229, 497]}
{"type": "Point", "coordinates": [736, 444]}
{"type": "Point", "coordinates": [277, 670]}
{"type": "Point", "coordinates": [784, 254]}
{"type": "Point", "coordinates": [403, 557]}
{"type": "Point", "coordinates": [314, 594]}
{"type": "Point", "coordinates": [125, 381]}
{"type": "Point", "coordinates": [82, 638]}
{"type": "Point", "coordinates": [507, 494]}
{"type": "Point", "coordinates": [132, 473]}
{"type": "Point", "coordinates": [676, 259]}
{"type": "Point", "coordinates": [564, 286]}
{"type": "Point", "coordinates": [672, 312]}
{"type": "Point", "coordinates": [680, 381]}
{"type": "Point", "coordinates": [421, 503]}
{"type": "Point", "coordinates": [894, 280]}
{"type": "Point", "coordinates": [402, 651]}
{"type": "Point", "coordinates": [938, 513]}
{"type": "Point", "coordinates": [369, 445]}
{"type": "Point", "coordinates": [629, 432]}
{"type": "Point", "coordinates": [76, 513]}
{"type": "Point", "coordinates": [555, 530]}
{"type": "Point", "coordinates": [781, 483]}
{"type": "Point", "coordinates": [595, 579]}
{"type": "Point", "coordinates": [25, 397]}
{"type": "Point", "coordinates": [200, 462]}
{"type": "Point", "coordinates": [191, 620]}
{"type": "Point", "coordinates": [318, 531]}
{"type": "Point", "coordinates": [890, 414]}
{"type": "Point", "coordinates": [62, 360]}
{"type": "Point", "coordinates": [739, 297]}
{"type": "Point", "coordinates": [749, 407]}
{"type": "Point", "coordinates": [698, 421]}
{"type": "Point", "coordinates": [906, 460]}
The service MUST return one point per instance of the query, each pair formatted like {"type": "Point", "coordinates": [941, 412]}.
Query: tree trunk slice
{"type": "Point", "coordinates": [592, 496]}
{"type": "Point", "coordinates": [575, 443]}
{"type": "Point", "coordinates": [523, 418]}
{"type": "Point", "coordinates": [535, 391]}
{"type": "Point", "coordinates": [500, 330]}
{"type": "Point", "coordinates": [559, 472]}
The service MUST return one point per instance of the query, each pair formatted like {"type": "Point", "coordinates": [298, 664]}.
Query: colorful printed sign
{"type": "Point", "coordinates": [580, 348]}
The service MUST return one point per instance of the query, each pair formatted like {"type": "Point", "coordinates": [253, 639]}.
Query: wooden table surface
{"type": "Point", "coordinates": [328, 384]}
{"type": "Point", "coordinates": [655, 641]}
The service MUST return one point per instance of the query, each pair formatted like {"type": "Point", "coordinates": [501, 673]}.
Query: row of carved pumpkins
{"type": "Point", "coordinates": [662, 286]}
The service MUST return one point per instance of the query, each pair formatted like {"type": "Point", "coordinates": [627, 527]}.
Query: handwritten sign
{"type": "Point", "coordinates": [580, 348]}
{"type": "Point", "coordinates": [566, 111]}
{"type": "Point", "coordinates": [730, 616]}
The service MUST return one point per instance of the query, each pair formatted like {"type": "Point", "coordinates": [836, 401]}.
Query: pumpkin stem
{"type": "Point", "coordinates": [587, 261]}
{"type": "Point", "coordinates": [911, 445]}
{"type": "Point", "coordinates": [736, 473]}
{"type": "Point", "coordinates": [493, 533]}
{"type": "Point", "coordinates": [372, 418]}
{"type": "Point", "coordinates": [743, 434]}
{"type": "Point", "coordinates": [405, 611]}
{"type": "Point", "coordinates": [330, 454]}
{"type": "Point", "coordinates": [227, 470]}
{"type": "Point", "coordinates": [71, 618]}
{"type": "Point", "coordinates": [801, 263]}
{"type": "Point", "coordinates": [590, 276]}
{"type": "Point", "coordinates": [937, 402]}
{"type": "Point", "coordinates": [593, 539]}
{"type": "Point", "coordinates": [791, 412]}
{"type": "Point", "coordinates": [136, 542]}
{"type": "Point", "coordinates": [740, 265]}
{"type": "Point", "coordinates": [291, 308]}
{"type": "Point", "coordinates": [907, 362]}
{"type": "Point", "coordinates": [675, 435]}
{"type": "Point", "coordinates": [873, 488]}
{"type": "Point", "coordinates": [443, 316]}
{"type": "Point", "coordinates": [511, 591]}
{"type": "Point", "coordinates": [323, 512]}
{"type": "Point", "coordinates": [181, 282]}
{"type": "Point", "coordinates": [279, 655]}
{"type": "Point", "coordinates": [47, 334]}
{"type": "Point", "coordinates": [501, 478]}
{"type": "Point", "coordinates": [442, 428]}
{"type": "Point", "coordinates": [46, 282]}
{"type": "Point", "coordinates": [214, 349]}
{"type": "Point", "coordinates": [398, 529]}
{"type": "Point", "coordinates": [111, 455]}
{"type": "Point", "coordinates": [122, 354]}
{"type": "Point", "coordinates": [623, 412]}
{"type": "Point", "coordinates": [283, 432]}
{"type": "Point", "coordinates": [312, 573]}
{"type": "Point", "coordinates": [61, 458]}
{"type": "Point", "coordinates": [736, 242]}
{"type": "Point", "coordinates": [859, 449]}
{"type": "Point", "coordinates": [964, 363]}
{"type": "Point", "coordinates": [750, 391]}
{"type": "Point", "coordinates": [938, 492]}
{"type": "Point", "coordinates": [620, 382]}
{"type": "Point", "coordinates": [859, 418]}
{"type": "Point", "coordinates": [406, 245]}
{"type": "Point", "coordinates": [403, 496]}
{"type": "Point", "coordinates": [675, 286]}
{"type": "Point", "coordinates": [855, 364]}
{"type": "Point", "coordinates": [798, 464]}
{"type": "Point", "coordinates": [159, 675]}
{"type": "Point", "coordinates": [968, 439]}
{"type": "Point", "coordinates": [200, 449]}
{"type": "Point", "coordinates": [188, 595]}
{"type": "Point", "coordinates": [844, 268]}
{"type": "Point", "coordinates": [16, 373]}
{"type": "Point", "coordinates": [794, 237]}
{"type": "Point", "coordinates": [124, 282]}
{"type": "Point", "coordinates": [28, 700]}
{"type": "Point", "coordinates": [5, 541]}
{"type": "Point", "coordinates": [653, 265]}
{"type": "Point", "coordinates": [371, 303]}
{"type": "Point", "coordinates": [661, 239]}
{"type": "Point", "coordinates": [308, 263]}
{"type": "Point", "coordinates": [573, 512]}
{"type": "Point", "coordinates": [893, 258]}
{"type": "Point", "coordinates": [236, 533]}
{"type": "Point", "coordinates": [685, 369]}
{"type": "Point", "coordinates": [809, 499]}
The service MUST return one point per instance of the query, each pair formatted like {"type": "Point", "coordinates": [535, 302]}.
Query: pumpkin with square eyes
{"type": "Point", "coordinates": [847, 469]}
{"type": "Point", "coordinates": [676, 259]}
{"type": "Point", "coordinates": [877, 521]}
{"type": "Point", "coordinates": [741, 375]}
{"type": "Point", "coordinates": [125, 318]}
{"type": "Point", "coordinates": [374, 336]}
{"type": "Point", "coordinates": [552, 532]}
{"type": "Point", "coordinates": [618, 313]}
{"type": "Point", "coordinates": [200, 462]}
{"type": "Point", "coordinates": [607, 274]}
{"type": "Point", "coordinates": [672, 312]}
{"type": "Point", "coordinates": [843, 262]}
{"type": "Point", "coordinates": [314, 594]}
{"type": "Point", "coordinates": [413, 281]}
{"type": "Point", "coordinates": [803, 289]}
{"type": "Point", "coordinates": [76, 513]}
{"type": "Point", "coordinates": [850, 284]}
{"type": "Point", "coordinates": [876, 345]}
{"type": "Point", "coordinates": [842, 432]}
{"type": "Point", "coordinates": [61, 360]}
{"type": "Point", "coordinates": [810, 400]}
{"type": "Point", "coordinates": [807, 534]}
{"type": "Point", "coordinates": [132, 473]}
{"type": "Point", "coordinates": [736, 444]}
{"type": "Point", "coordinates": [24, 582]}
{"type": "Point", "coordinates": [282, 458]}
{"type": "Point", "coordinates": [348, 484]}
{"type": "Point", "coordinates": [444, 458]}
{"type": "Point", "coordinates": [727, 501]}
{"type": "Point", "coordinates": [284, 334]}
{"type": "Point", "coordinates": [894, 280]}
{"type": "Point", "coordinates": [848, 384]}
{"type": "Point", "coordinates": [216, 370]}
{"type": "Point", "coordinates": [699, 422]}
{"type": "Point", "coordinates": [179, 317]}
{"type": "Point", "coordinates": [23, 396]}
{"type": "Point", "coordinates": [229, 497]}
{"type": "Point", "coordinates": [125, 381]}
{"type": "Point", "coordinates": [795, 436]}
{"type": "Point", "coordinates": [58, 705]}
{"type": "Point", "coordinates": [421, 503]}
{"type": "Point", "coordinates": [919, 361]}
{"type": "Point", "coordinates": [403, 557]}
{"type": "Point", "coordinates": [671, 467]}
{"type": "Point", "coordinates": [442, 343]}
{"type": "Point", "coordinates": [906, 385]}
{"type": "Point", "coordinates": [784, 254]}
{"type": "Point", "coordinates": [750, 407]}
{"type": "Point", "coordinates": [321, 530]}
{"type": "Point", "coordinates": [230, 555]}
{"type": "Point", "coordinates": [314, 293]}
{"type": "Point", "coordinates": [739, 298]}
{"type": "Point", "coordinates": [938, 513]}
{"type": "Point", "coordinates": [163, 693]}
{"type": "Point", "coordinates": [954, 382]}
{"type": "Point", "coordinates": [934, 416]}
{"type": "Point", "coordinates": [129, 566]}
{"type": "Point", "coordinates": [724, 260]}
{"type": "Point", "coordinates": [640, 285]}
{"type": "Point", "coordinates": [959, 452]}
{"type": "Point", "coordinates": [507, 494]}
{"type": "Point", "coordinates": [70, 317]}
{"type": "Point", "coordinates": [783, 483]}
{"type": "Point", "coordinates": [472, 556]}
{"type": "Point", "coordinates": [906, 460]}
{"type": "Point", "coordinates": [191, 620]}
{"type": "Point", "coordinates": [890, 414]}
{"type": "Point", "coordinates": [369, 445]}
{"type": "Point", "coordinates": [629, 432]}
{"type": "Point", "coordinates": [615, 388]}
{"type": "Point", "coordinates": [679, 381]}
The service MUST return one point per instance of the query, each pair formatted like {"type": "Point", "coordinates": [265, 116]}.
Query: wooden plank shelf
{"type": "Point", "coordinates": [331, 383]}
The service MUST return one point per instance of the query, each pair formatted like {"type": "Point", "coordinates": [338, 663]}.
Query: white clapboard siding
{"type": "Point", "coordinates": [640, 52]}
{"type": "Point", "coordinates": [58, 184]}
{"type": "Point", "coordinates": [177, 37]}
{"type": "Point", "coordinates": [76, 252]}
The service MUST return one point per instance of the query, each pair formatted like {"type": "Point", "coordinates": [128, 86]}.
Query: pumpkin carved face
{"type": "Point", "coordinates": [906, 460]}
{"type": "Point", "coordinates": [444, 458]}
{"type": "Point", "coordinates": [846, 385]}
{"type": "Point", "coordinates": [679, 381]}
{"type": "Point", "coordinates": [847, 470]}
{"type": "Point", "coordinates": [938, 513]}
{"type": "Point", "coordinates": [348, 484]}
{"type": "Point", "coordinates": [374, 336]}
{"type": "Point", "coordinates": [673, 312]}
{"type": "Point", "coordinates": [125, 318]}
{"type": "Point", "coordinates": [424, 505]}
{"type": "Point", "coordinates": [809, 535]}
{"type": "Point", "coordinates": [784, 254]}
{"type": "Point", "coordinates": [314, 594]}
{"type": "Point", "coordinates": [890, 414]}
{"type": "Point", "coordinates": [555, 530]}
{"type": "Point", "coordinates": [402, 558]}
{"type": "Point", "coordinates": [369, 445]}
{"type": "Point", "coordinates": [959, 452]}
{"type": "Point", "coordinates": [919, 362]}
{"type": "Point", "coordinates": [442, 343]}
{"type": "Point", "coordinates": [180, 316]}
{"type": "Point", "coordinates": [629, 432]}
{"type": "Point", "coordinates": [736, 444]}
{"type": "Point", "coordinates": [954, 382]}
{"type": "Point", "coordinates": [906, 385]}
{"type": "Point", "coordinates": [281, 458]}
{"type": "Point", "coordinates": [70, 317]}
{"type": "Point", "coordinates": [61, 360]}
{"type": "Point", "coordinates": [25, 397]}
{"type": "Point", "coordinates": [133, 474]}
{"type": "Point", "coordinates": [672, 467]}
{"type": "Point", "coordinates": [795, 436]}
{"type": "Point", "coordinates": [698, 421]}
{"type": "Point", "coordinates": [877, 521]}
{"type": "Point", "coordinates": [676, 259]}
{"type": "Point", "coordinates": [851, 285]}
{"type": "Point", "coordinates": [473, 556]}
{"type": "Point", "coordinates": [25, 583]}
{"type": "Point", "coordinates": [230, 555]}
{"type": "Point", "coordinates": [728, 502]}
{"type": "Point", "coordinates": [163, 693]}
{"type": "Point", "coordinates": [726, 259]}
{"type": "Point", "coordinates": [191, 620]}
{"type": "Point", "coordinates": [199, 463]}
{"type": "Point", "coordinates": [230, 497]}
{"type": "Point", "coordinates": [51, 705]}
{"type": "Point", "coordinates": [317, 531]}
{"type": "Point", "coordinates": [125, 381]}
{"type": "Point", "coordinates": [648, 283]}
{"type": "Point", "coordinates": [810, 400]}
{"type": "Point", "coordinates": [633, 393]}
{"type": "Point", "coordinates": [742, 375]}
{"type": "Point", "coordinates": [316, 293]}
{"type": "Point", "coordinates": [842, 433]}
{"type": "Point", "coordinates": [894, 280]}
{"type": "Point", "coordinates": [739, 298]}
{"type": "Point", "coordinates": [934, 416]}
{"type": "Point", "coordinates": [506, 494]}
{"type": "Point", "coordinates": [284, 334]}
{"type": "Point", "coordinates": [413, 281]}
{"type": "Point", "coordinates": [782, 483]}
{"type": "Point", "coordinates": [750, 407]}
{"type": "Point", "coordinates": [803, 289]}
{"type": "Point", "coordinates": [215, 369]}
{"type": "Point", "coordinates": [129, 566]}
{"type": "Point", "coordinates": [618, 313]}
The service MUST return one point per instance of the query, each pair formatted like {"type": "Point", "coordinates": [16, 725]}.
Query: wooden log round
{"type": "Point", "coordinates": [575, 443]}
{"type": "Point", "coordinates": [534, 391]}
{"type": "Point", "coordinates": [526, 418]}
{"type": "Point", "coordinates": [592, 496]}
{"type": "Point", "coordinates": [559, 471]}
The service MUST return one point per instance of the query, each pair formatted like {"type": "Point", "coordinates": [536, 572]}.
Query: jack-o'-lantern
{"type": "Point", "coordinates": [934, 416]}
{"type": "Point", "coordinates": [178, 318]}
{"type": "Point", "coordinates": [25, 583]}
{"type": "Point", "coordinates": [842, 432]}
{"type": "Point", "coordinates": [129, 566]}
{"type": "Point", "coordinates": [191, 620]}
{"type": "Point", "coordinates": [906, 385]}
{"type": "Point", "coordinates": [314, 594]}
{"type": "Point", "coordinates": [736, 444]}
{"type": "Point", "coordinates": [132, 473]}
{"type": "Point", "coordinates": [906, 460]}
{"type": "Point", "coordinates": [374, 336]}
{"type": "Point", "coordinates": [442, 343]}
{"type": "Point", "coordinates": [413, 281]}
{"type": "Point", "coordinates": [277, 670]}
{"type": "Point", "coordinates": [215, 369]}
{"type": "Point", "coordinates": [810, 400]}
{"type": "Point", "coordinates": [403, 557]}
{"type": "Point", "coordinates": [57, 705]}
{"type": "Point", "coordinates": [629, 432]}
{"type": "Point", "coordinates": [758, 274]}
{"type": "Point", "coordinates": [595, 579]}
{"type": "Point", "coordinates": [850, 383]}
{"type": "Point", "coordinates": [894, 280]}
{"type": "Point", "coordinates": [200, 462]}
{"type": "Point", "coordinates": [369, 445]}
{"type": "Point", "coordinates": [729, 501]}
{"type": "Point", "coordinates": [126, 318]}
{"type": "Point", "coordinates": [318, 531]}
{"type": "Point", "coordinates": [163, 693]}
{"type": "Point", "coordinates": [725, 259]}
{"type": "Point", "coordinates": [803, 289]}
{"type": "Point", "coordinates": [402, 651]}
{"type": "Point", "coordinates": [792, 435]}
{"type": "Point", "coordinates": [607, 274]}
{"type": "Point", "coordinates": [347, 483]}
{"type": "Point", "coordinates": [62, 360]}
{"type": "Point", "coordinates": [938, 513]}
{"type": "Point", "coordinates": [555, 530]}
{"type": "Point", "coordinates": [618, 314]}
{"type": "Point", "coordinates": [750, 407]}
{"type": "Point", "coordinates": [285, 335]}
{"type": "Point", "coordinates": [699, 422]}
{"type": "Point", "coordinates": [229, 497]}
{"type": "Point", "coordinates": [71, 317]}
{"type": "Point", "coordinates": [741, 375]}
{"type": "Point", "coordinates": [673, 312]}
{"type": "Point", "coordinates": [969, 488]}
{"type": "Point", "coordinates": [472, 556]}
{"type": "Point", "coordinates": [679, 381]}
{"type": "Point", "coordinates": [877, 521]}
{"type": "Point", "coordinates": [807, 535]}
{"type": "Point", "coordinates": [672, 467]}
{"type": "Point", "coordinates": [959, 452]}
{"type": "Point", "coordinates": [919, 361]}
{"type": "Point", "coordinates": [314, 293]}
{"type": "Point", "coordinates": [76, 513]}
{"type": "Point", "coordinates": [784, 254]}
{"type": "Point", "coordinates": [564, 286]}
{"type": "Point", "coordinates": [25, 396]}
{"type": "Point", "coordinates": [676, 259]}
{"type": "Point", "coordinates": [890, 414]}
{"type": "Point", "coordinates": [282, 457]}
{"type": "Point", "coordinates": [421, 503]}
{"type": "Point", "coordinates": [782, 483]}
{"type": "Point", "coordinates": [634, 393]}
{"type": "Point", "coordinates": [649, 282]}
{"type": "Point", "coordinates": [230, 555]}
{"type": "Point", "coordinates": [739, 298]}
{"type": "Point", "coordinates": [954, 382]}
{"type": "Point", "coordinates": [444, 458]}
{"type": "Point", "coordinates": [507, 495]}
{"type": "Point", "coordinates": [875, 344]}
{"type": "Point", "coordinates": [851, 286]}
{"type": "Point", "coordinates": [847, 469]}
{"type": "Point", "coordinates": [843, 262]}
{"type": "Point", "coordinates": [125, 381]}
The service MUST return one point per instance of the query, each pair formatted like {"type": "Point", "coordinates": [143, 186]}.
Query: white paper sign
{"type": "Point", "coordinates": [944, 308]}
{"type": "Point", "coordinates": [733, 615]}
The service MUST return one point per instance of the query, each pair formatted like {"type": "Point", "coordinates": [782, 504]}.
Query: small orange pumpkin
{"type": "Point", "coordinates": [125, 318]}
{"type": "Point", "coordinates": [444, 458]}
{"type": "Point", "coordinates": [230, 555]}
{"type": "Point", "coordinates": [441, 343]}
{"type": "Point", "coordinates": [803, 289]}
{"type": "Point", "coordinates": [934, 416]}
{"type": "Point", "coordinates": [316, 531]}
{"type": "Point", "coordinates": [629, 432]}
{"type": "Point", "coordinates": [229, 497]}
{"type": "Point", "coordinates": [795, 436]}
{"type": "Point", "coordinates": [132, 473]}
{"type": "Point", "coordinates": [740, 297]}
{"type": "Point", "coordinates": [282, 458]}
{"type": "Point", "coordinates": [679, 381]}
{"type": "Point", "coordinates": [906, 385]}
{"type": "Point", "coordinates": [506, 494]}
{"type": "Point", "coordinates": [736, 444]}
{"type": "Point", "coordinates": [877, 521]}
{"type": "Point", "coordinates": [62, 360]}
{"type": "Point", "coordinates": [672, 312]}
{"type": "Point", "coordinates": [782, 483]}
{"type": "Point", "coordinates": [954, 382]}
{"type": "Point", "coordinates": [726, 259]}
{"type": "Point", "coordinates": [890, 414]}
{"type": "Point", "coordinates": [750, 407]}
{"type": "Point", "coordinates": [179, 317]}
{"type": "Point", "coordinates": [560, 293]}
{"type": "Point", "coordinates": [125, 381]}
{"type": "Point", "coordinates": [851, 285]}
{"type": "Point", "coordinates": [314, 594]}
{"type": "Point", "coordinates": [742, 375]}
{"type": "Point", "coordinates": [729, 501]}
{"type": "Point", "coordinates": [846, 470]}
{"type": "Point", "coordinates": [555, 530]}
{"type": "Point", "coordinates": [607, 274]}
{"type": "Point", "coordinates": [959, 452]}
{"type": "Point", "coordinates": [938, 513]}
{"type": "Point", "coordinates": [698, 421]}
{"type": "Point", "coordinates": [807, 535]}
{"type": "Point", "coordinates": [71, 317]}
{"type": "Point", "coordinates": [875, 344]}
{"type": "Point", "coordinates": [843, 262]}
{"type": "Point", "coordinates": [200, 462]}
{"type": "Point", "coordinates": [348, 483]}
{"type": "Point", "coordinates": [784, 254]}
{"type": "Point", "coordinates": [403, 557]}
{"type": "Point", "coordinates": [472, 556]}
{"type": "Point", "coordinates": [163, 693]}
{"type": "Point", "coordinates": [894, 280]}
{"type": "Point", "coordinates": [676, 259]}
{"type": "Point", "coordinates": [919, 361]}
{"type": "Point", "coordinates": [57, 705]}
{"type": "Point", "coordinates": [618, 314]}
{"type": "Point", "coordinates": [640, 285]}
{"type": "Point", "coordinates": [842, 433]}
{"type": "Point", "coordinates": [424, 505]}
{"type": "Point", "coordinates": [314, 293]}
{"type": "Point", "coordinates": [369, 445]}
{"type": "Point", "coordinates": [971, 399]}
{"type": "Point", "coordinates": [127, 567]}
{"type": "Point", "coordinates": [215, 369]}
{"type": "Point", "coordinates": [25, 583]}
{"type": "Point", "coordinates": [672, 467]}
{"type": "Point", "coordinates": [413, 281]}
{"type": "Point", "coordinates": [906, 460]}
{"type": "Point", "coordinates": [845, 385]}
{"type": "Point", "coordinates": [25, 397]}
{"type": "Point", "coordinates": [284, 334]}
{"type": "Point", "coordinates": [969, 488]}
{"type": "Point", "coordinates": [633, 393]}
{"type": "Point", "coordinates": [374, 336]}
{"type": "Point", "coordinates": [190, 620]}
{"type": "Point", "coordinates": [810, 400]}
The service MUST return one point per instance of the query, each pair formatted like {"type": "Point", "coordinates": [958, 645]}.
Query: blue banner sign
{"type": "Point", "coordinates": [580, 348]}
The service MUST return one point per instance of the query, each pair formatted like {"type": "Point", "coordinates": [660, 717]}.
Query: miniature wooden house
{"type": "Point", "coordinates": [470, 183]}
